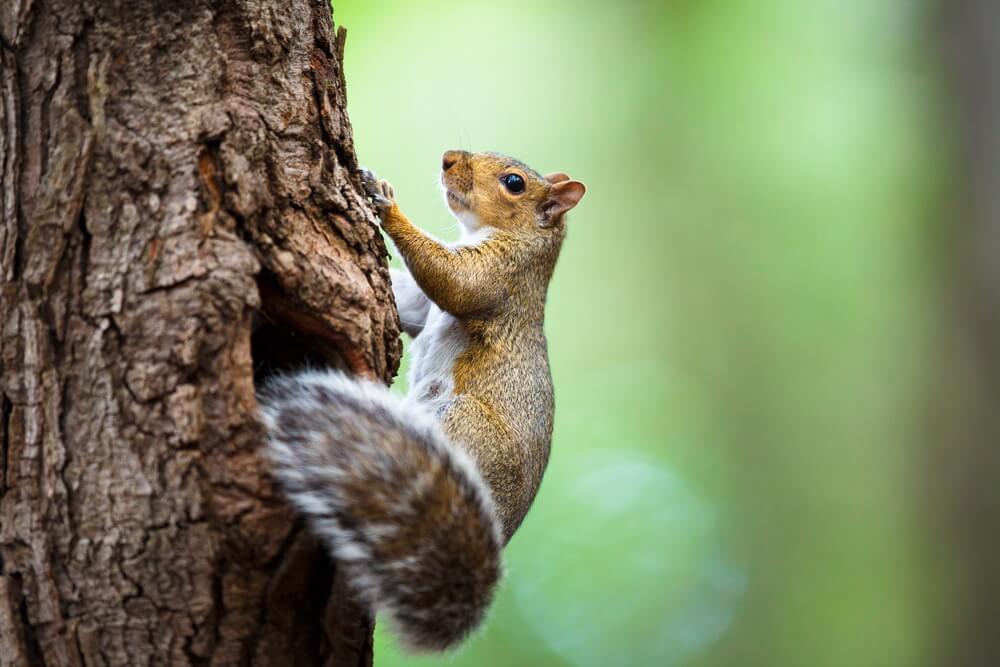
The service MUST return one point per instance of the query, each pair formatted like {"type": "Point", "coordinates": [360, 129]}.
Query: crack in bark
{"type": "Point", "coordinates": [81, 61]}
{"type": "Point", "coordinates": [43, 117]}
{"type": "Point", "coordinates": [29, 641]}
{"type": "Point", "coordinates": [85, 240]}
{"type": "Point", "coordinates": [6, 409]}
{"type": "Point", "coordinates": [19, 147]}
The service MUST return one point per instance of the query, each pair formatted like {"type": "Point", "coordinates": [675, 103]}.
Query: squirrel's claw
{"type": "Point", "coordinates": [380, 192]}
{"type": "Point", "coordinates": [369, 181]}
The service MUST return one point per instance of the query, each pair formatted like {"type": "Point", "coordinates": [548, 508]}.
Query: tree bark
{"type": "Point", "coordinates": [179, 219]}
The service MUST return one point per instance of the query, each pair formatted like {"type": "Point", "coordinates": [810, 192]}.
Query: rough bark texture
{"type": "Point", "coordinates": [967, 463]}
{"type": "Point", "coordinates": [178, 217]}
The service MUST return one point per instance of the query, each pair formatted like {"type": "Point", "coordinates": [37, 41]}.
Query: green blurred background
{"type": "Point", "coordinates": [744, 326]}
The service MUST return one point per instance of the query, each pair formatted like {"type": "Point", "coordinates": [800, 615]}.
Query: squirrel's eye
{"type": "Point", "coordinates": [513, 183]}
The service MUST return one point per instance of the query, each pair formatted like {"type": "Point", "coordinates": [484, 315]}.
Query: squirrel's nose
{"type": "Point", "coordinates": [449, 159]}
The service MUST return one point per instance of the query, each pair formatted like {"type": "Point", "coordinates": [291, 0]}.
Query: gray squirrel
{"type": "Point", "coordinates": [415, 498]}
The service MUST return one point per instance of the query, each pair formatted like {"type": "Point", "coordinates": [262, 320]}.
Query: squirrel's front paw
{"type": "Point", "coordinates": [379, 191]}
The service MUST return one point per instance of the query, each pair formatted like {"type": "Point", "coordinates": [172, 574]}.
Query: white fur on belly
{"type": "Point", "coordinates": [432, 377]}
{"type": "Point", "coordinates": [443, 338]}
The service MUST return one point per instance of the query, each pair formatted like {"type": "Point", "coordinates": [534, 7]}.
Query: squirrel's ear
{"type": "Point", "coordinates": [556, 177]}
{"type": "Point", "coordinates": [563, 196]}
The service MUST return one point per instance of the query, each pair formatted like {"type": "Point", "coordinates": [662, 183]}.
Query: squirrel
{"type": "Point", "coordinates": [416, 497]}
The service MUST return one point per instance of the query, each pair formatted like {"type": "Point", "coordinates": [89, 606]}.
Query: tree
{"type": "Point", "coordinates": [964, 455]}
{"type": "Point", "coordinates": [179, 219]}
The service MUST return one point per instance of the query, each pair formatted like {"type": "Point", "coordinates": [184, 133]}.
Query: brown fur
{"type": "Point", "coordinates": [503, 403]}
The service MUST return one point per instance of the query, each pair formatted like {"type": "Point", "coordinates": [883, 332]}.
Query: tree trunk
{"type": "Point", "coordinates": [966, 461]}
{"type": "Point", "coordinates": [179, 219]}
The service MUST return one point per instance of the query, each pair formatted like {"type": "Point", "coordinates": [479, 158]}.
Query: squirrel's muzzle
{"type": "Point", "coordinates": [451, 158]}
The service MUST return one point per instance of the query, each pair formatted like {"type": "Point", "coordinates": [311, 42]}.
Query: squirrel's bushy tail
{"type": "Point", "coordinates": [402, 509]}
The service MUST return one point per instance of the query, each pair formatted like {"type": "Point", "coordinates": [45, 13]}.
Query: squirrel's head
{"type": "Point", "coordinates": [488, 189]}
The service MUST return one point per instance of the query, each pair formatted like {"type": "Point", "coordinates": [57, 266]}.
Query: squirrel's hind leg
{"type": "Point", "coordinates": [474, 426]}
